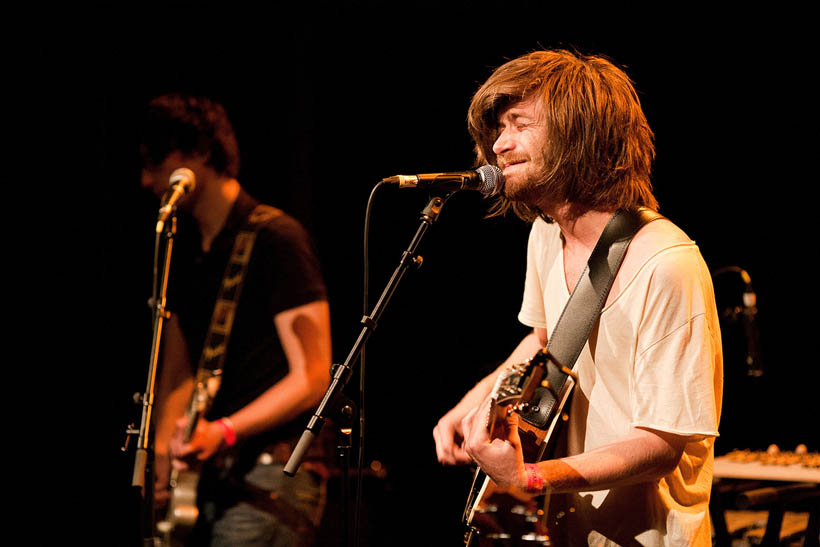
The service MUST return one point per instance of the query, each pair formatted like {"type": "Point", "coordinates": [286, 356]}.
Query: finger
{"type": "Point", "coordinates": [181, 423]}
{"type": "Point", "coordinates": [480, 431]}
{"type": "Point", "coordinates": [513, 435]}
{"type": "Point", "coordinates": [460, 454]}
{"type": "Point", "coordinates": [476, 434]}
{"type": "Point", "coordinates": [442, 448]}
{"type": "Point", "coordinates": [202, 445]}
{"type": "Point", "coordinates": [468, 423]}
{"type": "Point", "coordinates": [512, 425]}
{"type": "Point", "coordinates": [179, 464]}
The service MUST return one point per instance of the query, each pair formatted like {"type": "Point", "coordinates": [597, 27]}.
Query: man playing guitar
{"type": "Point", "coordinates": [275, 362]}
{"type": "Point", "coordinates": [569, 134]}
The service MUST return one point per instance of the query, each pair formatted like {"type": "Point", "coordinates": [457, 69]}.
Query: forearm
{"type": "Point", "coordinates": [281, 403]}
{"type": "Point", "coordinates": [305, 335]}
{"type": "Point", "coordinates": [642, 456]}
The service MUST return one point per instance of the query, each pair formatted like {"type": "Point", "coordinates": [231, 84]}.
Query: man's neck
{"type": "Point", "coordinates": [580, 230]}
{"type": "Point", "coordinates": [212, 208]}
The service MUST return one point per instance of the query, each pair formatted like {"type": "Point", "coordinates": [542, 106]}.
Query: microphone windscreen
{"type": "Point", "coordinates": [184, 177]}
{"type": "Point", "coordinates": [491, 178]}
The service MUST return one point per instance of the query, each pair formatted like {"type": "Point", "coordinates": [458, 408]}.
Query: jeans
{"type": "Point", "coordinates": [271, 509]}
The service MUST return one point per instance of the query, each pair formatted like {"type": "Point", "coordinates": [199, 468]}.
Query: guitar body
{"type": "Point", "coordinates": [182, 512]}
{"type": "Point", "coordinates": [496, 515]}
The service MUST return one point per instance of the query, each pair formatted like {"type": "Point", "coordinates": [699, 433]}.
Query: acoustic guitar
{"type": "Point", "coordinates": [496, 515]}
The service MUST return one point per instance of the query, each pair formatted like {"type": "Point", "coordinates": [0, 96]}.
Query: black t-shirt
{"type": "Point", "coordinates": [283, 273]}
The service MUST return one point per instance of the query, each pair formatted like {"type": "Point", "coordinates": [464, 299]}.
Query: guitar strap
{"type": "Point", "coordinates": [583, 308]}
{"type": "Point", "coordinates": [219, 329]}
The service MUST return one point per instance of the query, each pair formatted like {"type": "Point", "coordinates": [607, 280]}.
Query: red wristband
{"type": "Point", "coordinates": [535, 482]}
{"type": "Point", "coordinates": [228, 431]}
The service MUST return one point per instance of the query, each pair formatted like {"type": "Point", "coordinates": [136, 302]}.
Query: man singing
{"type": "Point", "coordinates": [278, 354]}
{"type": "Point", "coordinates": [569, 134]}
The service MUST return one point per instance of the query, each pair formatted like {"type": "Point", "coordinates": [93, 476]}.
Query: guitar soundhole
{"type": "Point", "coordinates": [509, 520]}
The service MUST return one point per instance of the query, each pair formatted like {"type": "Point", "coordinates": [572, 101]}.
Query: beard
{"type": "Point", "coordinates": [526, 181]}
{"type": "Point", "coordinates": [528, 190]}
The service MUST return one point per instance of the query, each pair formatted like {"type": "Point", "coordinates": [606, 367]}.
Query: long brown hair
{"type": "Point", "coordinates": [600, 147]}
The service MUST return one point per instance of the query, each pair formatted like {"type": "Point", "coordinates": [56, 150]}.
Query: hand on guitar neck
{"type": "Point", "coordinates": [504, 496]}
{"type": "Point", "coordinates": [493, 442]}
{"type": "Point", "coordinates": [205, 441]}
{"type": "Point", "coordinates": [193, 441]}
{"type": "Point", "coordinates": [491, 431]}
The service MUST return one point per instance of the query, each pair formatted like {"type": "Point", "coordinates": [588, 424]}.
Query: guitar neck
{"type": "Point", "coordinates": [193, 417]}
{"type": "Point", "coordinates": [206, 385]}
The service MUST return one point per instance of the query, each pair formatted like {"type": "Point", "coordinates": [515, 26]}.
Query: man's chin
{"type": "Point", "coordinates": [517, 191]}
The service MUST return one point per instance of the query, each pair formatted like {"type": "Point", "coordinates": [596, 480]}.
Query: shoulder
{"type": "Point", "coordinates": [658, 235]}
{"type": "Point", "coordinates": [282, 243]}
{"type": "Point", "coordinates": [662, 256]}
{"type": "Point", "coordinates": [274, 225]}
{"type": "Point", "coordinates": [660, 241]}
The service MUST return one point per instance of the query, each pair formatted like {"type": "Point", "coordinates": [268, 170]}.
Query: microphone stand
{"type": "Point", "coordinates": [333, 401]}
{"type": "Point", "coordinates": [141, 472]}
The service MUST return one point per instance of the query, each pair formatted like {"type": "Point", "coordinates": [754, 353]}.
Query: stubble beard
{"type": "Point", "coordinates": [530, 187]}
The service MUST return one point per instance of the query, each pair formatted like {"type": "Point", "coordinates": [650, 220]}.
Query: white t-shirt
{"type": "Point", "coordinates": [654, 360]}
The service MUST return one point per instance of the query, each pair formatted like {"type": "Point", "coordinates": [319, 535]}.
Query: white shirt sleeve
{"type": "Point", "coordinates": [675, 387]}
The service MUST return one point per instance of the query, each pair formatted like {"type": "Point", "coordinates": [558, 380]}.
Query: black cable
{"type": "Point", "coordinates": [366, 310]}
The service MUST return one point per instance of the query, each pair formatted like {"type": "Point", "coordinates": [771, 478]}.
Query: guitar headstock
{"type": "Point", "coordinates": [519, 381]}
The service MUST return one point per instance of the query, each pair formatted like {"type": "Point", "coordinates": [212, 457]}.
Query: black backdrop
{"type": "Point", "coordinates": [329, 98]}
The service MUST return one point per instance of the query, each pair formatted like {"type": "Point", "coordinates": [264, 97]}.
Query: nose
{"type": "Point", "coordinates": [503, 143]}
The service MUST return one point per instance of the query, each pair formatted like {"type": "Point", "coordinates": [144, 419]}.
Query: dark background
{"type": "Point", "coordinates": [329, 98]}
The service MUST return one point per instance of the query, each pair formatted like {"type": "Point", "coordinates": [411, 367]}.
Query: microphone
{"type": "Point", "coordinates": [183, 182]}
{"type": "Point", "coordinates": [754, 361]}
{"type": "Point", "coordinates": [485, 179]}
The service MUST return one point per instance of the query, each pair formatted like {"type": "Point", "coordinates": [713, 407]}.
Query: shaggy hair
{"type": "Point", "coordinates": [192, 125]}
{"type": "Point", "coordinates": [599, 145]}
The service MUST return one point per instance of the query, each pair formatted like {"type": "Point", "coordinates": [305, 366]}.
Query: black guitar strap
{"type": "Point", "coordinates": [583, 308]}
